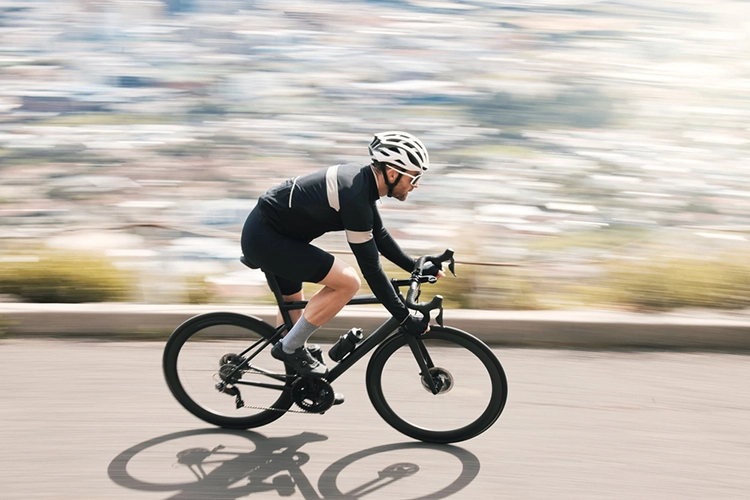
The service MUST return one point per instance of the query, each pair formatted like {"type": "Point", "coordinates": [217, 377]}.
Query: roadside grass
{"type": "Point", "coordinates": [670, 282]}
{"type": "Point", "coordinates": [64, 278]}
{"type": "Point", "coordinates": [197, 290]}
{"type": "Point", "coordinates": [647, 276]}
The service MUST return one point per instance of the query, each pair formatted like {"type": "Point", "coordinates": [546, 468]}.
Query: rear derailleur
{"type": "Point", "coordinates": [230, 372]}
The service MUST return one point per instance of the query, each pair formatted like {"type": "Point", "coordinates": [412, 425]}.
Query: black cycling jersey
{"type": "Point", "coordinates": [342, 197]}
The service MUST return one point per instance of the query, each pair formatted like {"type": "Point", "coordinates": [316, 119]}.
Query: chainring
{"type": "Point", "coordinates": [313, 395]}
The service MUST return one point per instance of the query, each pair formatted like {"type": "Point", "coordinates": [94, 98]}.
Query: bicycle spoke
{"type": "Point", "coordinates": [207, 361]}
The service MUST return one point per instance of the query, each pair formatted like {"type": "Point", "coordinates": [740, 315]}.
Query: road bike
{"type": "Point", "coordinates": [444, 386]}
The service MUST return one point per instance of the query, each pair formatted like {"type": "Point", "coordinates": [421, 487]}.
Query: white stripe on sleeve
{"type": "Point", "coordinates": [356, 237]}
{"type": "Point", "coordinates": [332, 187]}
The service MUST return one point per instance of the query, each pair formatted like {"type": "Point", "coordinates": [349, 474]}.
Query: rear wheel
{"type": "Point", "coordinates": [215, 362]}
{"type": "Point", "coordinates": [471, 388]}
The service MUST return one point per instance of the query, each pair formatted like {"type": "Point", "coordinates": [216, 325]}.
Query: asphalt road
{"type": "Point", "coordinates": [94, 420]}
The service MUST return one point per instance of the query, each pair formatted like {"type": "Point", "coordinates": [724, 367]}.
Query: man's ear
{"type": "Point", "coordinates": [393, 173]}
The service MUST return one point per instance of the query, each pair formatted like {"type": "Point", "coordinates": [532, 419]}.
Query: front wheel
{"type": "Point", "coordinates": [469, 381]}
{"type": "Point", "coordinates": [219, 367]}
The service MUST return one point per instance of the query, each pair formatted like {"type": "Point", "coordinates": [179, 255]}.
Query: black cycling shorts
{"type": "Point", "coordinates": [292, 261]}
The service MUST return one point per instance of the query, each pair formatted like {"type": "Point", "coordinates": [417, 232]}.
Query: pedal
{"type": "Point", "coordinates": [316, 351]}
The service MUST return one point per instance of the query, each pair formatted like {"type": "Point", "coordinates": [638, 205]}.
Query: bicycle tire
{"type": "Point", "coordinates": [191, 363]}
{"type": "Point", "coordinates": [406, 404]}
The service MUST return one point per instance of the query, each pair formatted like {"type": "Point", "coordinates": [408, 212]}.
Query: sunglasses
{"type": "Point", "coordinates": [414, 178]}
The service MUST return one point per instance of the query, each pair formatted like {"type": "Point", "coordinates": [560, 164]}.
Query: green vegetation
{"type": "Point", "coordinates": [664, 282]}
{"type": "Point", "coordinates": [640, 269]}
{"type": "Point", "coordinates": [197, 290]}
{"type": "Point", "coordinates": [646, 278]}
{"type": "Point", "coordinates": [60, 277]}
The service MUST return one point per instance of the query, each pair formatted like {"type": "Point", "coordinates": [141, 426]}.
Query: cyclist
{"type": "Point", "coordinates": [277, 234]}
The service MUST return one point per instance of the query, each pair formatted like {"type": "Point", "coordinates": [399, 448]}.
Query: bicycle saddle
{"type": "Point", "coordinates": [248, 263]}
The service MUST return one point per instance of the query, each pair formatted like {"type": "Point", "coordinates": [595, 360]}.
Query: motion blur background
{"type": "Point", "coordinates": [584, 153]}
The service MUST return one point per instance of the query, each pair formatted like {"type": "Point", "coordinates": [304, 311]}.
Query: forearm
{"type": "Point", "coordinates": [382, 289]}
{"type": "Point", "coordinates": [393, 252]}
{"type": "Point", "coordinates": [369, 264]}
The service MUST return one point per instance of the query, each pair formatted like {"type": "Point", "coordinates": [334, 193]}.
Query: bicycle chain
{"type": "Point", "coordinates": [288, 410]}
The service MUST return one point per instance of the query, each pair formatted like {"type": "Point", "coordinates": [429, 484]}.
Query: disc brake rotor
{"type": "Point", "coordinates": [442, 379]}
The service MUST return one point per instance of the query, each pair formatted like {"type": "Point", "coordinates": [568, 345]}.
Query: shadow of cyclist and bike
{"type": "Point", "coordinates": [226, 464]}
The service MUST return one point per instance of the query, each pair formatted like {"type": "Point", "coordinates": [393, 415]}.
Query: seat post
{"type": "Point", "coordinates": [273, 284]}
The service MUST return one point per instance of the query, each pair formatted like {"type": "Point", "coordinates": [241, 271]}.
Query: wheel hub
{"type": "Point", "coordinates": [228, 374]}
{"type": "Point", "coordinates": [442, 379]}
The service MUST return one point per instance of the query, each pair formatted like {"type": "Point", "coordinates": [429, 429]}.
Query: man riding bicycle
{"type": "Point", "coordinates": [277, 235]}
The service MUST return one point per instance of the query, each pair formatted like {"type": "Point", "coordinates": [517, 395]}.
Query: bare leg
{"type": "Point", "coordinates": [339, 286]}
{"type": "Point", "coordinates": [296, 313]}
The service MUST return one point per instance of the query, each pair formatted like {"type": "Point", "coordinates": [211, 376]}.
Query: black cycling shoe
{"type": "Point", "coordinates": [301, 361]}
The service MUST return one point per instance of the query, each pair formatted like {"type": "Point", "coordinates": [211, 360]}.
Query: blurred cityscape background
{"type": "Point", "coordinates": [585, 153]}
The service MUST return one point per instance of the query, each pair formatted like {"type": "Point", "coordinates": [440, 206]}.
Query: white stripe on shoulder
{"type": "Point", "coordinates": [357, 237]}
{"type": "Point", "coordinates": [291, 191]}
{"type": "Point", "coordinates": [332, 187]}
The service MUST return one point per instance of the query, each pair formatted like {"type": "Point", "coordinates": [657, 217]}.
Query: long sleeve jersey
{"type": "Point", "coordinates": [341, 198]}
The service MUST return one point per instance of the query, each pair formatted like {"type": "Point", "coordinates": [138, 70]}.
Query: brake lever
{"type": "Point", "coordinates": [426, 307]}
{"type": "Point", "coordinates": [446, 256]}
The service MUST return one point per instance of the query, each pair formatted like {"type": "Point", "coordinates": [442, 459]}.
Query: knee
{"type": "Point", "coordinates": [351, 283]}
{"type": "Point", "coordinates": [343, 279]}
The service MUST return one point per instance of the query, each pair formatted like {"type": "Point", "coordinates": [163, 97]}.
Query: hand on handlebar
{"type": "Point", "coordinates": [416, 325]}
{"type": "Point", "coordinates": [432, 265]}
{"type": "Point", "coordinates": [431, 269]}
{"type": "Point", "coordinates": [417, 277]}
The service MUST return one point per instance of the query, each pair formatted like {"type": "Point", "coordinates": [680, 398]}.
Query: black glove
{"type": "Point", "coordinates": [415, 325]}
{"type": "Point", "coordinates": [430, 269]}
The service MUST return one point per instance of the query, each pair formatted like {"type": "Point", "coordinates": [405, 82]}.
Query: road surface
{"type": "Point", "coordinates": [94, 420]}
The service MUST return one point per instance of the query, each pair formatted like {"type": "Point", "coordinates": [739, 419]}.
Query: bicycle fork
{"type": "Point", "coordinates": [424, 361]}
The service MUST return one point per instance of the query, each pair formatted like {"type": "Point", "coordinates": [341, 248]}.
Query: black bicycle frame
{"type": "Point", "coordinates": [368, 344]}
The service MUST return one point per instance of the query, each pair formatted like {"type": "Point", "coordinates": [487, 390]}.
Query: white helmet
{"type": "Point", "coordinates": [399, 149]}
